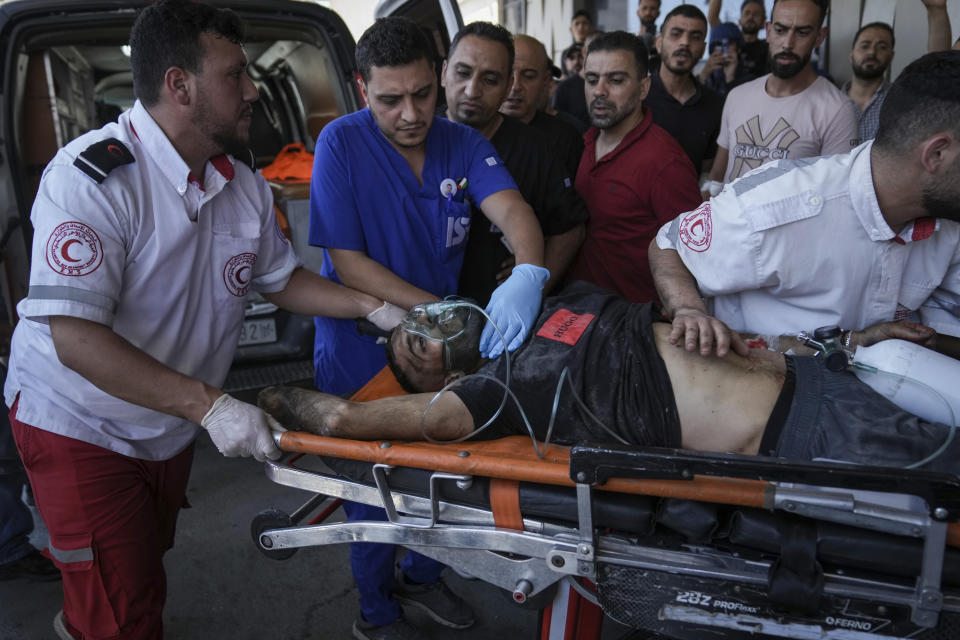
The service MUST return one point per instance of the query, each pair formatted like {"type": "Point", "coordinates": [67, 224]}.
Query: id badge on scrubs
{"type": "Point", "coordinates": [455, 215]}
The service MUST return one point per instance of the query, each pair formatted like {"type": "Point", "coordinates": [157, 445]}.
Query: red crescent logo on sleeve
{"type": "Point", "coordinates": [696, 229]}
{"type": "Point", "coordinates": [65, 250]}
{"type": "Point", "coordinates": [114, 150]}
{"type": "Point", "coordinates": [236, 273]}
{"type": "Point", "coordinates": [74, 249]}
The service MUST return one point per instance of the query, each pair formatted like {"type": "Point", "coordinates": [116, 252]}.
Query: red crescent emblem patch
{"type": "Point", "coordinates": [65, 250]}
{"type": "Point", "coordinates": [236, 273]}
{"type": "Point", "coordinates": [114, 150]}
{"type": "Point", "coordinates": [696, 228]}
{"type": "Point", "coordinates": [74, 249]}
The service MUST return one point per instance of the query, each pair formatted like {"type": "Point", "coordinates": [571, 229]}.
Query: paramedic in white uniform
{"type": "Point", "coordinates": [148, 235]}
{"type": "Point", "coordinates": [854, 239]}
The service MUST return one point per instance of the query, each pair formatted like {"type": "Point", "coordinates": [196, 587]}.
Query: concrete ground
{"type": "Point", "coordinates": [221, 586]}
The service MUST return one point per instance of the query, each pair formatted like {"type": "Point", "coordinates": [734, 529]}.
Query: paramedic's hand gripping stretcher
{"type": "Point", "coordinates": [670, 541]}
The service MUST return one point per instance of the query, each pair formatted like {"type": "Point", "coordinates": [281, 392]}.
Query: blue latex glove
{"type": "Point", "coordinates": [513, 307]}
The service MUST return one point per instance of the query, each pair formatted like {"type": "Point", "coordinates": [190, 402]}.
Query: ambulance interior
{"type": "Point", "coordinates": [73, 80]}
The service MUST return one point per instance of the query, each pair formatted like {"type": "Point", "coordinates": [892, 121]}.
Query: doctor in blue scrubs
{"type": "Point", "coordinates": [390, 203]}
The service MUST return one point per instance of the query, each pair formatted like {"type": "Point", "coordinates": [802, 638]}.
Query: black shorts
{"type": "Point", "coordinates": [835, 416]}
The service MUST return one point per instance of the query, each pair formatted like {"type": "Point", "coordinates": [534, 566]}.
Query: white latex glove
{"type": "Point", "coordinates": [241, 430]}
{"type": "Point", "coordinates": [386, 316]}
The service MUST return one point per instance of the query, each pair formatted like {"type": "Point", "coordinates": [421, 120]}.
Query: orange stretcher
{"type": "Point", "coordinates": [676, 543]}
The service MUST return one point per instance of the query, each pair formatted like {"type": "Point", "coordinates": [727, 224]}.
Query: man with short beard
{"type": "Point", "coordinates": [476, 77]}
{"type": "Point", "coordinates": [392, 199]}
{"type": "Point", "coordinates": [853, 239]}
{"type": "Point", "coordinates": [870, 58]}
{"type": "Point", "coordinates": [686, 109]}
{"type": "Point", "coordinates": [754, 52]}
{"type": "Point", "coordinates": [633, 175]}
{"type": "Point", "coordinates": [148, 235]}
{"type": "Point", "coordinates": [390, 203]}
{"type": "Point", "coordinates": [790, 113]}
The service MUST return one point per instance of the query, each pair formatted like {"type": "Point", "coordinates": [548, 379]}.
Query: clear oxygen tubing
{"type": "Point", "coordinates": [508, 393]}
{"type": "Point", "coordinates": [953, 418]}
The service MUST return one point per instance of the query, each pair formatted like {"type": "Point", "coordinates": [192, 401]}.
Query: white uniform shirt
{"type": "Point", "coordinates": [163, 262]}
{"type": "Point", "coordinates": [801, 244]}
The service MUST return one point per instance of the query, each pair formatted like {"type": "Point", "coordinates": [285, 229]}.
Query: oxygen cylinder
{"type": "Point", "coordinates": [901, 364]}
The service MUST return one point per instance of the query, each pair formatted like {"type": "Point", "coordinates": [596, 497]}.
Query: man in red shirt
{"type": "Point", "coordinates": [633, 175]}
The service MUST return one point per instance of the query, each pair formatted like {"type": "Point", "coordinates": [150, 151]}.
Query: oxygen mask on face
{"type": "Point", "coordinates": [443, 321]}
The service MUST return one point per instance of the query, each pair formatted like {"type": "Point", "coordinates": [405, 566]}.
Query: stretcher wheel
{"type": "Point", "coordinates": [266, 520]}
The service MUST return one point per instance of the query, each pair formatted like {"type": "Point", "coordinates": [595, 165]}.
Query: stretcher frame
{"type": "Point", "coordinates": [529, 556]}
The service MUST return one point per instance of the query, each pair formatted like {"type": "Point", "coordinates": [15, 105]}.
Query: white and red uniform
{"type": "Point", "coordinates": [801, 244]}
{"type": "Point", "coordinates": [137, 244]}
{"type": "Point", "coordinates": [163, 262]}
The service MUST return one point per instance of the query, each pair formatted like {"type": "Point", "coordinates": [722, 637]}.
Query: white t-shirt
{"type": "Point", "coordinates": [802, 244]}
{"type": "Point", "coordinates": [757, 128]}
{"type": "Point", "coordinates": [148, 252]}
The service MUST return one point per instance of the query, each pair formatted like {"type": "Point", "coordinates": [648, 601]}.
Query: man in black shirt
{"type": "Point", "coordinates": [570, 96]}
{"type": "Point", "coordinates": [624, 383]}
{"type": "Point", "coordinates": [527, 101]}
{"type": "Point", "coordinates": [476, 78]}
{"type": "Point", "coordinates": [754, 52]}
{"type": "Point", "coordinates": [687, 110]}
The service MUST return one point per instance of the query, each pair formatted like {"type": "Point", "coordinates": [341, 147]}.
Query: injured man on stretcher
{"type": "Point", "coordinates": [625, 383]}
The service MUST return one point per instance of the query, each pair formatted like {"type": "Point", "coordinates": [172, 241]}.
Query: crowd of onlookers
{"type": "Point", "coordinates": [731, 100]}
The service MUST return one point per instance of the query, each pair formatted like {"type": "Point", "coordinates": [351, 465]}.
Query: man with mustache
{"type": "Point", "coordinates": [393, 191]}
{"type": "Point", "coordinates": [149, 233]}
{"type": "Point", "coordinates": [633, 175]}
{"type": "Point", "coordinates": [791, 112]}
{"type": "Point", "coordinates": [476, 77]}
{"type": "Point", "coordinates": [754, 52]}
{"type": "Point", "coordinates": [391, 199]}
{"type": "Point", "coordinates": [681, 105]}
{"type": "Point", "coordinates": [852, 240]}
{"type": "Point", "coordinates": [871, 56]}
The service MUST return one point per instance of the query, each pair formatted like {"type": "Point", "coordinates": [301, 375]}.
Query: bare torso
{"type": "Point", "coordinates": [723, 403]}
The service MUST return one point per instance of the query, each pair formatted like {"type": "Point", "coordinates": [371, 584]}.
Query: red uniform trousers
{"type": "Point", "coordinates": [111, 518]}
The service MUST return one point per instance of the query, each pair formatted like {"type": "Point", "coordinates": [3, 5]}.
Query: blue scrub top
{"type": "Point", "coordinates": [364, 197]}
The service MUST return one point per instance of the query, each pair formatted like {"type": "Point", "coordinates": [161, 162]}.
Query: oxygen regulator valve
{"type": "Point", "coordinates": [827, 341]}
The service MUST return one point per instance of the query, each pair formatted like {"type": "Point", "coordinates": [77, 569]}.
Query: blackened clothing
{"type": "Point", "coordinates": [834, 416]}
{"type": "Point", "coordinates": [695, 124]}
{"type": "Point", "coordinates": [566, 141]}
{"type": "Point", "coordinates": [570, 97]}
{"type": "Point", "coordinates": [546, 187]}
{"type": "Point", "coordinates": [610, 349]}
{"type": "Point", "coordinates": [630, 193]}
{"type": "Point", "coordinates": [754, 57]}
{"type": "Point", "coordinates": [608, 346]}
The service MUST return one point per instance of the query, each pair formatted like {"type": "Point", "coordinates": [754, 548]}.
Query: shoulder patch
{"type": "Point", "coordinates": [100, 158]}
{"type": "Point", "coordinates": [696, 228]}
